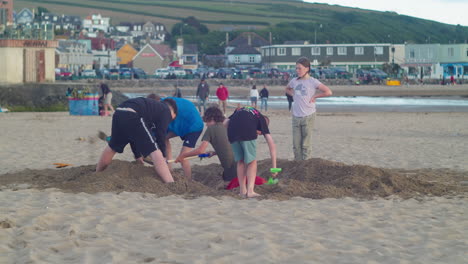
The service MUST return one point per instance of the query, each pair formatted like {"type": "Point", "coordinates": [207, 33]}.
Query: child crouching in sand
{"type": "Point", "coordinates": [216, 134]}
{"type": "Point", "coordinates": [244, 126]}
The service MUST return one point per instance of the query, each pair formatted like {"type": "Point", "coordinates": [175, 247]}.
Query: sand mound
{"type": "Point", "coordinates": [315, 178]}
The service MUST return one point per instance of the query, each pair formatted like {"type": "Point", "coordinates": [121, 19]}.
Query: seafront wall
{"type": "Point", "coordinates": [43, 95]}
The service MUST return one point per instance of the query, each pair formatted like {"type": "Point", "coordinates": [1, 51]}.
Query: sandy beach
{"type": "Point", "coordinates": [382, 188]}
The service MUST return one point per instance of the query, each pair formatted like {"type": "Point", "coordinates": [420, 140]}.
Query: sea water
{"type": "Point", "coordinates": [359, 103]}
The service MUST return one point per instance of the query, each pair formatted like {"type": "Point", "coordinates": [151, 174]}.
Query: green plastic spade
{"type": "Point", "coordinates": [272, 180]}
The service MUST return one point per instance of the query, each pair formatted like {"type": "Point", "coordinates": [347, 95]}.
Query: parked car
{"type": "Point", "coordinates": [378, 74]}
{"type": "Point", "coordinates": [342, 73]}
{"type": "Point", "coordinates": [125, 73]}
{"type": "Point", "coordinates": [102, 73]}
{"type": "Point", "coordinates": [138, 73]}
{"type": "Point", "coordinates": [113, 74]}
{"type": "Point", "coordinates": [254, 71]}
{"type": "Point", "coordinates": [161, 73]}
{"type": "Point", "coordinates": [272, 73]}
{"type": "Point", "coordinates": [178, 71]}
{"type": "Point", "coordinates": [89, 73]}
{"type": "Point", "coordinates": [63, 74]}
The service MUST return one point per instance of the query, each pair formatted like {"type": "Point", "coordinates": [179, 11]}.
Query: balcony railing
{"type": "Point", "coordinates": [34, 32]}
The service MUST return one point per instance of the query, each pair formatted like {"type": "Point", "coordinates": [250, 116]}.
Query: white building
{"type": "Point", "coordinates": [96, 22]}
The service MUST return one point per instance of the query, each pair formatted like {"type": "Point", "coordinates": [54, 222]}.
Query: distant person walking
{"type": "Point", "coordinates": [223, 94]}
{"type": "Point", "coordinates": [304, 90]}
{"type": "Point", "coordinates": [253, 96]}
{"type": "Point", "coordinates": [452, 80]}
{"type": "Point", "coordinates": [264, 98]}
{"type": "Point", "coordinates": [107, 100]}
{"type": "Point", "coordinates": [177, 92]}
{"type": "Point", "coordinates": [203, 92]}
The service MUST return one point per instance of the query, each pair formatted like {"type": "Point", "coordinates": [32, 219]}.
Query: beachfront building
{"type": "Point", "coordinates": [6, 13]}
{"type": "Point", "coordinates": [422, 61]}
{"type": "Point", "coordinates": [454, 60]}
{"type": "Point", "coordinates": [244, 56]}
{"type": "Point", "coordinates": [25, 16]}
{"type": "Point", "coordinates": [24, 61]}
{"type": "Point", "coordinates": [74, 56]}
{"type": "Point", "coordinates": [348, 56]}
{"type": "Point", "coordinates": [152, 57]}
{"type": "Point", "coordinates": [436, 61]}
{"type": "Point", "coordinates": [187, 54]}
{"type": "Point", "coordinates": [125, 55]}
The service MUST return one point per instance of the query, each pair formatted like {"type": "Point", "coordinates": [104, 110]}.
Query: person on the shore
{"type": "Point", "coordinates": [303, 89]}
{"type": "Point", "coordinates": [203, 92]}
{"type": "Point", "coordinates": [107, 99]}
{"type": "Point", "coordinates": [216, 135]}
{"type": "Point", "coordinates": [290, 100]}
{"type": "Point", "coordinates": [254, 96]}
{"type": "Point", "coordinates": [131, 124]}
{"type": "Point", "coordinates": [264, 98]}
{"type": "Point", "coordinates": [223, 94]}
{"type": "Point", "coordinates": [452, 80]}
{"type": "Point", "coordinates": [177, 92]}
{"type": "Point", "coordinates": [188, 125]}
{"type": "Point", "coordinates": [243, 127]}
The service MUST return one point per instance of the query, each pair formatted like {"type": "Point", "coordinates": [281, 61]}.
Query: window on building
{"type": "Point", "coordinates": [272, 52]}
{"type": "Point", "coordinates": [467, 52]}
{"type": "Point", "coordinates": [236, 59]}
{"type": "Point", "coordinates": [359, 50]}
{"type": "Point", "coordinates": [296, 51]}
{"type": "Point", "coordinates": [267, 52]}
{"type": "Point", "coordinates": [342, 51]}
{"type": "Point", "coordinates": [378, 50]}
{"type": "Point", "coordinates": [330, 51]}
{"type": "Point", "coordinates": [412, 54]}
{"type": "Point", "coordinates": [430, 54]}
{"type": "Point", "coordinates": [281, 51]}
{"type": "Point", "coordinates": [450, 52]}
{"type": "Point", "coordinates": [315, 50]}
{"type": "Point", "coordinates": [251, 59]}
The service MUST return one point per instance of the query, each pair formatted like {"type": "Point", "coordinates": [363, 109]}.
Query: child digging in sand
{"type": "Point", "coordinates": [244, 126]}
{"type": "Point", "coordinates": [131, 124]}
{"type": "Point", "coordinates": [216, 135]}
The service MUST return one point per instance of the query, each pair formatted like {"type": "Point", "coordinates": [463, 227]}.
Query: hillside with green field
{"type": "Point", "coordinates": [287, 20]}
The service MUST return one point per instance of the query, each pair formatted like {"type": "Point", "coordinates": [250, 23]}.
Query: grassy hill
{"type": "Point", "coordinates": [339, 24]}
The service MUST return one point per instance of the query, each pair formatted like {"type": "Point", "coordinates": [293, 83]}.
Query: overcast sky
{"type": "Point", "coordinates": [445, 11]}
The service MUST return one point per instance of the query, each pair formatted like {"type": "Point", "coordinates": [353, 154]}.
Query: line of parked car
{"type": "Point", "coordinates": [220, 73]}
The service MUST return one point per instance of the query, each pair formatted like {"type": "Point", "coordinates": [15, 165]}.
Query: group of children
{"type": "Point", "coordinates": [148, 124]}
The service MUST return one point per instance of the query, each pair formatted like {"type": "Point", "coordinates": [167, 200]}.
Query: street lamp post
{"type": "Point", "coordinates": [315, 34]}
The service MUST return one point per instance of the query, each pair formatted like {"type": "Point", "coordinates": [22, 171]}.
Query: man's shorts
{"type": "Point", "coordinates": [245, 150]}
{"type": "Point", "coordinates": [128, 127]}
{"type": "Point", "coordinates": [190, 140]}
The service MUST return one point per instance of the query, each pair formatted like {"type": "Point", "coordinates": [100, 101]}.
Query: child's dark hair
{"type": "Point", "coordinates": [171, 103]}
{"type": "Point", "coordinates": [254, 87]}
{"type": "Point", "coordinates": [213, 113]}
{"type": "Point", "coordinates": [304, 61]}
{"type": "Point", "coordinates": [154, 96]}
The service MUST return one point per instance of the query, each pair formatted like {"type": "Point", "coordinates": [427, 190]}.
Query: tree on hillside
{"type": "Point", "coordinates": [42, 10]}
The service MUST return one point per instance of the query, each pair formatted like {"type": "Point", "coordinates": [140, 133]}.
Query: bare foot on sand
{"type": "Point", "coordinates": [253, 195]}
